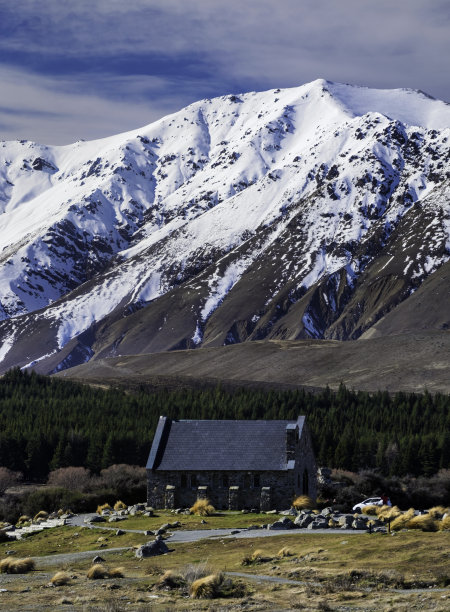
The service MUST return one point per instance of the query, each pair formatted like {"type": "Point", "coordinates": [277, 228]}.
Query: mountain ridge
{"type": "Point", "coordinates": [308, 212]}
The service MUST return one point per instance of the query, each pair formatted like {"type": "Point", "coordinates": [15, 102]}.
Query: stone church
{"type": "Point", "coordinates": [235, 464]}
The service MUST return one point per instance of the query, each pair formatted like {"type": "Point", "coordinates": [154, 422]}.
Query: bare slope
{"type": "Point", "coordinates": [408, 363]}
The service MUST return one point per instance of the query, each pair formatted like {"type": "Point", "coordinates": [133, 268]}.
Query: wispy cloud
{"type": "Point", "coordinates": [124, 62]}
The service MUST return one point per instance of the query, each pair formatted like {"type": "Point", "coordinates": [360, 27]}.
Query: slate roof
{"type": "Point", "coordinates": [195, 445]}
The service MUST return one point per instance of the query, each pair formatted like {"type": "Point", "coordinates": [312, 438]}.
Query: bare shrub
{"type": "Point", "coordinates": [194, 571]}
{"type": "Point", "coordinates": [123, 479]}
{"type": "Point", "coordinates": [71, 478]}
{"type": "Point", "coordinates": [8, 478]}
{"type": "Point", "coordinates": [60, 579]}
{"type": "Point", "coordinates": [203, 507]}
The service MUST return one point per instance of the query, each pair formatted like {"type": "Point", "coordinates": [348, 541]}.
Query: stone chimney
{"type": "Point", "coordinates": [291, 441]}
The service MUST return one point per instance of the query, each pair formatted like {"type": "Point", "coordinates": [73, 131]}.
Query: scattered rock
{"type": "Point", "coordinates": [120, 532]}
{"type": "Point", "coordinates": [152, 549]}
{"type": "Point", "coordinates": [285, 523]}
{"type": "Point", "coordinates": [98, 559]}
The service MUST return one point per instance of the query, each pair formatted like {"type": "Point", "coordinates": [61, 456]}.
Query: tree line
{"type": "Point", "coordinates": [48, 423]}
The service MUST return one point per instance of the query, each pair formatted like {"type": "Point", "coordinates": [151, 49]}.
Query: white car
{"type": "Point", "coordinates": [371, 501]}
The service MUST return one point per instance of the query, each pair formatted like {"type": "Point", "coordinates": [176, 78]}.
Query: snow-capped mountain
{"type": "Point", "coordinates": [296, 213]}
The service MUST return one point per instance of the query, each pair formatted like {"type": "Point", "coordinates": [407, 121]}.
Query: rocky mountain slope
{"type": "Point", "coordinates": [313, 212]}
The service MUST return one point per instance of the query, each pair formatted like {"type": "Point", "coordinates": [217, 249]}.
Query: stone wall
{"type": "Point", "coordinates": [238, 490]}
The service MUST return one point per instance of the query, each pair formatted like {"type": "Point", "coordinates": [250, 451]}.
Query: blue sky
{"type": "Point", "coordinates": [73, 69]}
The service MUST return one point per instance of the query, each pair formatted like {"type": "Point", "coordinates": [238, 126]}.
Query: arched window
{"type": "Point", "coordinates": [305, 488]}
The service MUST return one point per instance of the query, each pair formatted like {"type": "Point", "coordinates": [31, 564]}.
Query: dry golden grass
{"type": "Point", "coordinates": [370, 509]}
{"type": "Point", "coordinates": [103, 507]}
{"type": "Point", "coordinates": [285, 552]}
{"type": "Point", "coordinates": [388, 512]}
{"type": "Point", "coordinates": [401, 521]}
{"type": "Point", "coordinates": [170, 580]}
{"type": "Point", "coordinates": [60, 579]}
{"type": "Point", "coordinates": [207, 587]}
{"type": "Point", "coordinates": [16, 566]}
{"type": "Point", "coordinates": [42, 514]}
{"type": "Point", "coordinates": [303, 502]}
{"type": "Point", "coordinates": [119, 505]}
{"type": "Point", "coordinates": [23, 519]}
{"type": "Point", "coordinates": [445, 523]}
{"type": "Point", "coordinates": [424, 522]}
{"type": "Point", "coordinates": [437, 512]}
{"type": "Point", "coordinates": [97, 572]}
{"type": "Point", "coordinates": [116, 572]}
{"type": "Point", "coordinates": [203, 507]}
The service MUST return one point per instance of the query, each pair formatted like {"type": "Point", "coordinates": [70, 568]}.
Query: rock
{"type": "Point", "coordinates": [148, 532]}
{"type": "Point", "coordinates": [40, 164]}
{"type": "Point", "coordinates": [120, 532]}
{"type": "Point", "coordinates": [318, 523]}
{"type": "Point", "coordinates": [327, 511]}
{"type": "Point", "coordinates": [175, 525]}
{"type": "Point", "coordinates": [345, 521]}
{"type": "Point", "coordinates": [290, 512]}
{"type": "Point", "coordinates": [359, 524]}
{"type": "Point", "coordinates": [147, 513]}
{"type": "Point", "coordinates": [253, 527]}
{"type": "Point", "coordinates": [271, 512]}
{"type": "Point", "coordinates": [160, 531]}
{"type": "Point", "coordinates": [234, 531]}
{"type": "Point", "coordinates": [98, 559]}
{"type": "Point", "coordinates": [244, 511]}
{"type": "Point", "coordinates": [285, 523]}
{"type": "Point", "coordinates": [10, 552]}
{"type": "Point", "coordinates": [95, 519]}
{"type": "Point", "coordinates": [165, 527]}
{"type": "Point", "coordinates": [303, 521]}
{"type": "Point", "coordinates": [152, 549]}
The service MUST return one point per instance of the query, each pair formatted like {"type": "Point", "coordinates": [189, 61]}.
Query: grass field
{"type": "Point", "coordinates": [335, 572]}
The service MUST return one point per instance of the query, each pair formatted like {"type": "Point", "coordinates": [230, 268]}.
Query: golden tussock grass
{"type": "Point", "coordinates": [437, 511]}
{"type": "Point", "coordinates": [303, 502]}
{"type": "Point", "coordinates": [424, 522]}
{"type": "Point", "coordinates": [23, 519]}
{"type": "Point", "coordinates": [119, 505]}
{"type": "Point", "coordinates": [370, 509]}
{"type": "Point", "coordinates": [258, 556]}
{"type": "Point", "coordinates": [16, 566]}
{"type": "Point", "coordinates": [445, 523]}
{"type": "Point", "coordinates": [401, 521]}
{"type": "Point", "coordinates": [285, 552]}
{"type": "Point", "coordinates": [207, 587]}
{"type": "Point", "coordinates": [388, 512]}
{"type": "Point", "coordinates": [97, 572]}
{"type": "Point", "coordinates": [203, 507]}
{"type": "Point", "coordinates": [42, 514]}
{"type": "Point", "coordinates": [170, 580]}
{"type": "Point", "coordinates": [100, 572]}
{"type": "Point", "coordinates": [103, 507]}
{"type": "Point", "coordinates": [60, 579]}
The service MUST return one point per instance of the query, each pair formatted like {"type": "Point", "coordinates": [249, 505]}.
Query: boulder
{"type": "Point", "coordinates": [318, 523]}
{"type": "Point", "coordinates": [345, 521]}
{"type": "Point", "coordinates": [303, 520]}
{"type": "Point", "coordinates": [95, 519]}
{"type": "Point", "coordinates": [284, 523]}
{"type": "Point", "coordinates": [327, 511]}
{"type": "Point", "coordinates": [359, 524]}
{"type": "Point", "coordinates": [290, 512]}
{"type": "Point", "coordinates": [152, 549]}
{"type": "Point", "coordinates": [120, 532]}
